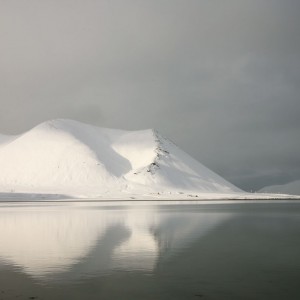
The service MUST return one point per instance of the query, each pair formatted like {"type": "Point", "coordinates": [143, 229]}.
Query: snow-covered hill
{"type": "Point", "coordinates": [70, 158]}
{"type": "Point", "coordinates": [292, 188]}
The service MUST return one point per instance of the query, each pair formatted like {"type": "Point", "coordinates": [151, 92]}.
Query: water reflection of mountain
{"type": "Point", "coordinates": [73, 239]}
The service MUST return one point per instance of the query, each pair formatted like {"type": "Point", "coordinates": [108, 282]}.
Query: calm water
{"type": "Point", "coordinates": [150, 251]}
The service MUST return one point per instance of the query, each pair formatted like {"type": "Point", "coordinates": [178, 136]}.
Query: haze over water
{"type": "Point", "coordinates": [148, 250]}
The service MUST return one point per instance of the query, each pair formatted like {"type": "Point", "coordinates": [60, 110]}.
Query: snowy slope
{"type": "Point", "coordinates": [65, 156]}
{"type": "Point", "coordinates": [174, 169]}
{"type": "Point", "coordinates": [69, 156]}
{"type": "Point", "coordinates": [292, 188]}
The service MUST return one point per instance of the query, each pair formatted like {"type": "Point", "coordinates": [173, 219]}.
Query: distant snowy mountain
{"type": "Point", "coordinates": [292, 188]}
{"type": "Point", "coordinates": [65, 156]}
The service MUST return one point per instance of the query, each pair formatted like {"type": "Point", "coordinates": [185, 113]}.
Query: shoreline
{"type": "Point", "coordinates": [151, 201]}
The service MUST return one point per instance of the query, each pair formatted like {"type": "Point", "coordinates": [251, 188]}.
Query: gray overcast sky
{"type": "Point", "coordinates": [219, 78]}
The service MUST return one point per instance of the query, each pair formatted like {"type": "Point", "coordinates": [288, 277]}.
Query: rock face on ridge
{"type": "Point", "coordinates": [66, 155]}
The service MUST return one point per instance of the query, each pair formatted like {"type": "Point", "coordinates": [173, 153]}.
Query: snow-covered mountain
{"type": "Point", "coordinates": [292, 188]}
{"type": "Point", "coordinates": [65, 156]}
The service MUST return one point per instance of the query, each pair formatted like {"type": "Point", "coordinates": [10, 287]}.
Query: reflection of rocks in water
{"type": "Point", "coordinates": [89, 239]}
